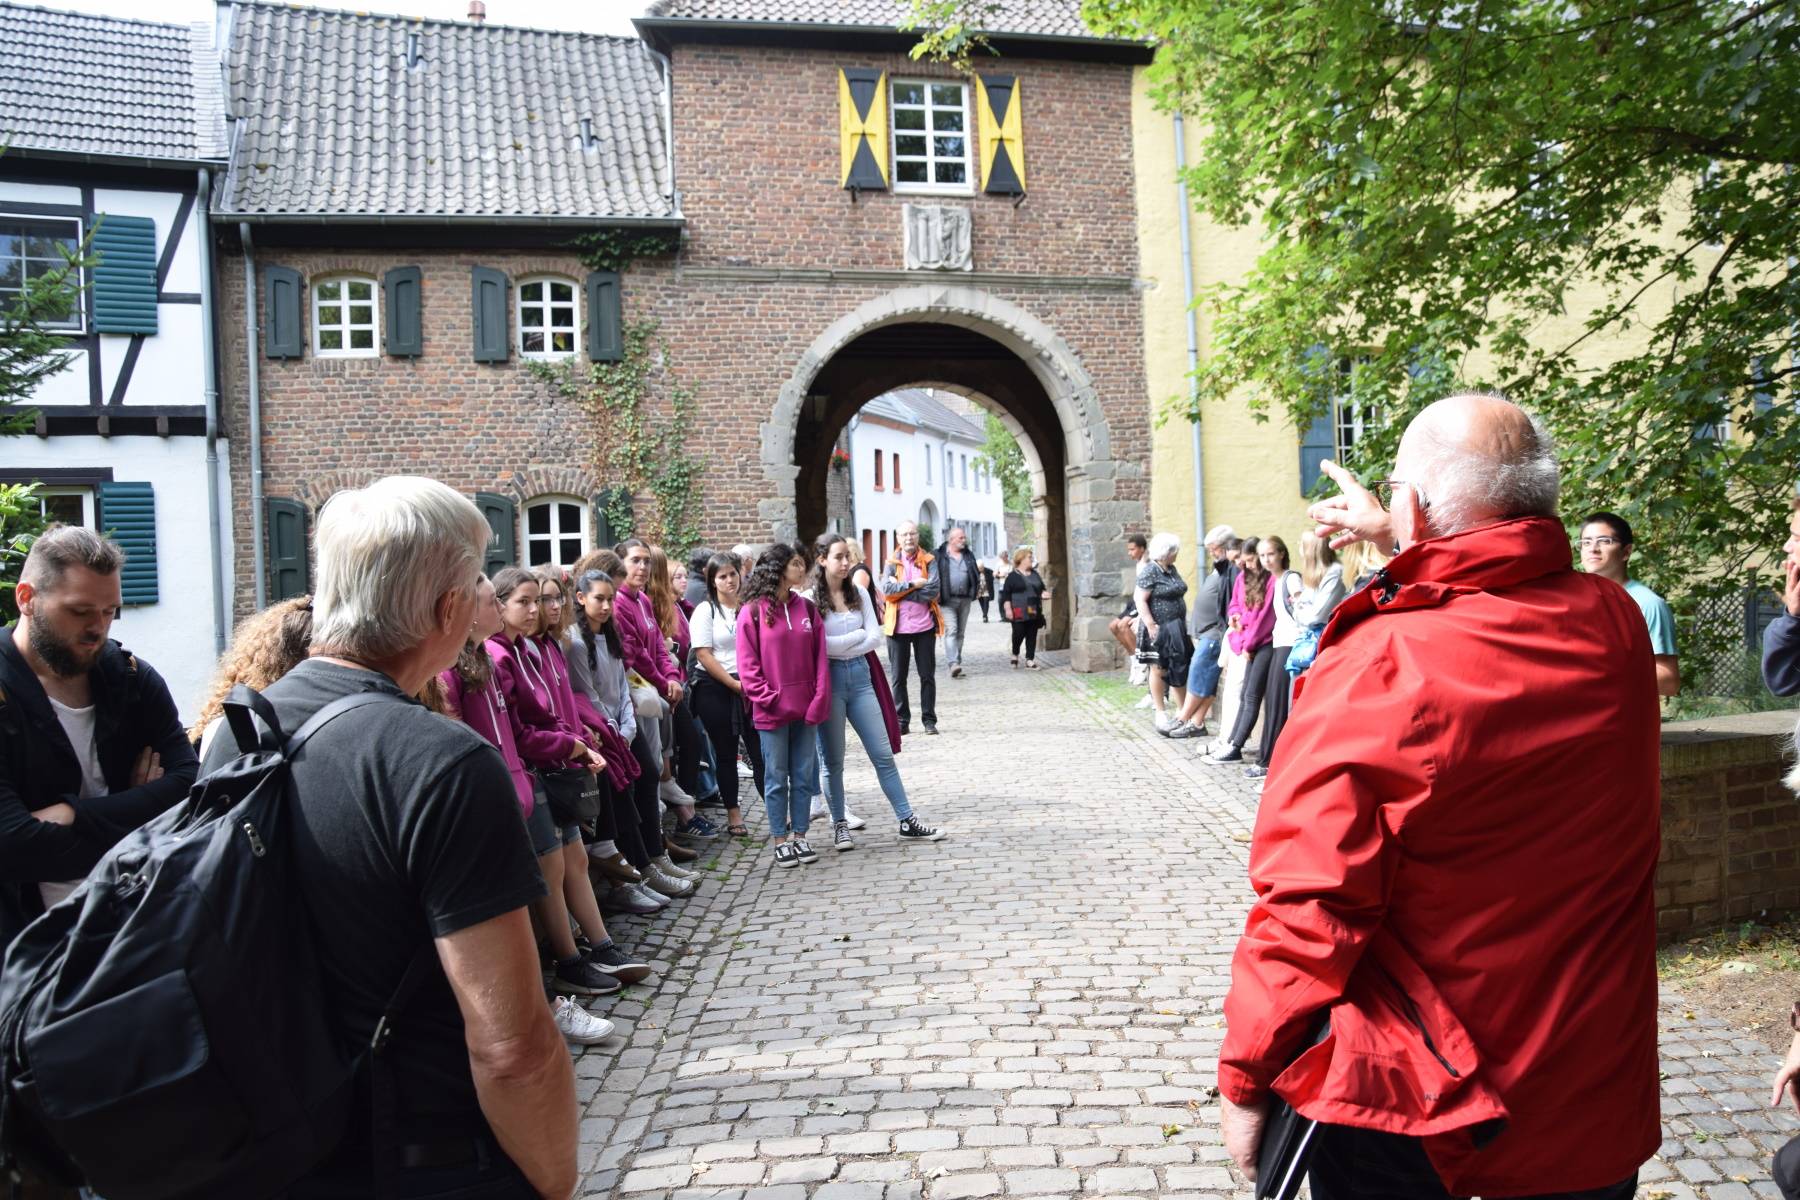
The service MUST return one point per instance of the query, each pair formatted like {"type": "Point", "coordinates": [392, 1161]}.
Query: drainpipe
{"type": "Point", "coordinates": [215, 536]}
{"type": "Point", "coordinates": [1193, 336]}
{"type": "Point", "coordinates": [254, 433]}
{"type": "Point", "coordinates": [668, 112]}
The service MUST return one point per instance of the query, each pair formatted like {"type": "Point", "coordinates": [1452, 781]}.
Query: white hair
{"type": "Point", "coordinates": [1161, 546]}
{"type": "Point", "coordinates": [386, 553]}
{"type": "Point", "coordinates": [1465, 488]}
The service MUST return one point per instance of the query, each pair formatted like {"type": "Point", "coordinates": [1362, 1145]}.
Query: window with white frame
{"type": "Point", "coordinates": [555, 531]}
{"type": "Point", "coordinates": [34, 247]}
{"type": "Point", "coordinates": [69, 505]}
{"type": "Point", "coordinates": [1351, 418]}
{"type": "Point", "coordinates": [344, 317]}
{"type": "Point", "coordinates": [548, 318]}
{"type": "Point", "coordinates": [931, 136]}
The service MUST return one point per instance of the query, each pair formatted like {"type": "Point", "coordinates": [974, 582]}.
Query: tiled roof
{"type": "Point", "coordinates": [492, 122]}
{"type": "Point", "coordinates": [81, 84]}
{"type": "Point", "coordinates": [1040, 18]}
{"type": "Point", "coordinates": [919, 408]}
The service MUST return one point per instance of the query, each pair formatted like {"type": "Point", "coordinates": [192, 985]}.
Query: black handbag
{"type": "Point", "coordinates": [574, 794]}
{"type": "Point", "coordinates": [1288, 1142]}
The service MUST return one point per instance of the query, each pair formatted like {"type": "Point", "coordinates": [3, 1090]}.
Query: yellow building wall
{"type": "Point", "coordinates": [1251, 466]}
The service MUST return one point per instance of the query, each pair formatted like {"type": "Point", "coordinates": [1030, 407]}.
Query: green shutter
{"type": "Point", "coordinates": [502, 518]}
{"type": "Point", "coordinates": [492, 343]}
{"type": "Point", "coordinates": [285, 540]}
{"type": "Point", "coordinates": [124, 274]}
{"type": "Point", "coordinates": [405, 329]}
{"type": "Point", "coordinates": [606, 324]}
{"type": "Point", "coordinates": [282, 288]}
{"type": "Point", "coordinates": [613, 517]}
{"type": "Point", "coordinates": [1316, 445]}
{"type": "Point", "coordinates": [128, 517]}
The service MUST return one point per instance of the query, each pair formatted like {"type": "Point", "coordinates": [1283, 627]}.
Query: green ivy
{"type": "Point", "coordinates": [615, 249]}
{"type": "Point", "coordinates": [644, 454]}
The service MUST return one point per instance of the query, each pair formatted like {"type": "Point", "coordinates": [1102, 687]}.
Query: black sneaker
{"type": "Point", "coordinates": [786, 855]}
{"type": "Point", "coordinates": [615, 962]}
{"type": "Point", "coordinates": [914, 830]}
{"type": "Point", "coordinates": [583, 978]}
{"type": "Point", "coordinates": [931, 729]}
{"type": "Point", "coordinates": [803, 851]}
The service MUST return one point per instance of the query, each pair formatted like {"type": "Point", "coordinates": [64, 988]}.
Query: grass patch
{"type": "Point", "coordinates": [1115, 690]}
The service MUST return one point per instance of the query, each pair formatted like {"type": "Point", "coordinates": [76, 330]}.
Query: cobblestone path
{"type": "Point", "coordinates": [1026, 1009]}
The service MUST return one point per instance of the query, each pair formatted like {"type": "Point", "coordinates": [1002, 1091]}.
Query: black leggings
{"type": "Point", "coordinates": [984, 601]}
{"type": "Point", "coordinates": [686, 749]}
{"type": "Point", "coordinates": [722, 713]}
{"type": "Point", "coordinates": [1025, 634]}
{"type": "Point", "coordinates": [637, 817]}
{"type": "Point", "coordinates": [1256, 681]}
{"type": "Point", "coordinates": [1277, 692]}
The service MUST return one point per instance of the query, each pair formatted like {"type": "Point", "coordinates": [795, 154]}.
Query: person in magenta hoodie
{"type": "Point", "coordinates": [1251, 616]}
{"type": "Point", "coordinates": [786, 674]}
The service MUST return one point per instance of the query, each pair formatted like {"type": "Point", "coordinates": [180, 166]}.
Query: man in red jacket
{"type": "Point", "coordinates": [1455, 848]}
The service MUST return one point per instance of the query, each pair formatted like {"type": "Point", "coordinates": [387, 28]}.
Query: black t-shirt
{"type": "Point", "coordinates": [407, 829]}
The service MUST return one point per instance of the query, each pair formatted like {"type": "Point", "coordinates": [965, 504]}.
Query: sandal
{"type": "Point", "coordinates": [1015, 661]}
{"type": "Point", "coordinates": [740, 830]}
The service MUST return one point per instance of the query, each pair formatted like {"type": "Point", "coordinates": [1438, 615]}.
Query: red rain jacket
{"type": "Point", "coordinates": [1454, 856]}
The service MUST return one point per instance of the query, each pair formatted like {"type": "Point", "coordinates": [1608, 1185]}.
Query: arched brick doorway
{"type": "Point", "coordinates": [971, 342]}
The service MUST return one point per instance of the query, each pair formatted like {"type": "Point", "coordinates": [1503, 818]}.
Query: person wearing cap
{"type": "Point", "coordinates": [1206, 624]}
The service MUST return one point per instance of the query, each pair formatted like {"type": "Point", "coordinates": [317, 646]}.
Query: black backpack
{"type": "Point", "coordinates": [163, 1032]}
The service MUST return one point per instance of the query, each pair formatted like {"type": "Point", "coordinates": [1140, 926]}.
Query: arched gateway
{"type": "Point", "coordinates": [969, 341]}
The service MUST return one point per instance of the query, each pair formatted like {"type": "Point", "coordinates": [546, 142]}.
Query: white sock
{"type": "Point", "coordinates": [606, 849]}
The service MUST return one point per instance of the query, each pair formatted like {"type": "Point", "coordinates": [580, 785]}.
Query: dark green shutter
{"type": "Point", "coordinates": [611, 503]}
{"type": "Point", "coordinates": [285, 538]}
{"type": "Point", "coordinates": [124, 274]}
{"type": "Point", "coordinates": [281, 312]}
{"type": "Point", "coordinates": [492, 343]}
{"type": "Point", "coordinates": [128, 517]}
{"type": "Point", "coordinates": [606, 325]}
{"type": "Point", "coordinates": [502, 518]}
{"type": "Point", "coordinates": [1318, 444]}
{"type": "Point", "coordinates": [405, 330]}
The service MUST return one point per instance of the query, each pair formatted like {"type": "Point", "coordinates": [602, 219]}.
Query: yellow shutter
{"type": "Point", "coordinates": [862, 128]}
{"type": "Point", "coordinates": [1002, 137]}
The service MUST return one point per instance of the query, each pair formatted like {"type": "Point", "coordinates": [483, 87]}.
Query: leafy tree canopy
{"type": "Point", "coordinates": [1006, 462]}
{"type": "Point", "coordinates": [1438, 187]}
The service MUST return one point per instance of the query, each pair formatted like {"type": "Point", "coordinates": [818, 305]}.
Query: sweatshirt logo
{"type": "Point", "coordinates": [806, 624]}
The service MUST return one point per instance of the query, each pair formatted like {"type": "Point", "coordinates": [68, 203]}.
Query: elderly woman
{"type": "Point", "coordinates": [1161, 600]}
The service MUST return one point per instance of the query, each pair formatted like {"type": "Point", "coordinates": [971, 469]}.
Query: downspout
{"type": "Point", "coordinates": [214, 533]}
{"type": "Point", "coordinates": [1193, 336]}
{"type": "Point", "coordinates": [254, 433]}
{"type": "Point", "coordinates": [668, 113]}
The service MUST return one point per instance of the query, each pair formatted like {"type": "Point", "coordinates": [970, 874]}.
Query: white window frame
{"type": "Point", "coordinates": [77, 322]}
{"type": "Point", "coordinates": [557, 534]}
{"type": "Point", "coordinates": [1350, 421]}
{"type": "Point", "coordinates": [931, 158]}
{"type": "Point", "coordinates": [346, 326]}
{"type": "Point", "coordinates": [544, 305]}
{"type": "Point", "coordinates": [85, 492]}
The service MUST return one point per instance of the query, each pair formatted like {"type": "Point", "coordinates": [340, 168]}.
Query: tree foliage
{"type": "Point", "coordinates": [1006, 462]}
{"type": "Point", "coordinates": [1441, 189]}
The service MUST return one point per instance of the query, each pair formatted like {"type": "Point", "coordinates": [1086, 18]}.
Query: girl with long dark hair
{"type": "Point", "coordinates": [859, 692]}
{"type": "Point", "coordinates": [717, 694]}
{"type": "Point", "coordinates": [786, 676]}
{"type": "Point", "coordinates": [1250, 633]}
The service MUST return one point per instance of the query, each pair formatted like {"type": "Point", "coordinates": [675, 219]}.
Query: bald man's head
{"type": "Point", "coordinates": [1476, 459]}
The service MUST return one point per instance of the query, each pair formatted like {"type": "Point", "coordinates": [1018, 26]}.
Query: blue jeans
{"type": "Point", "coordinates": [853, 700]}
{"type": "Point", "coordinates": [1204, 669]}
{"type": "Point", "coordinates": [790, 771]}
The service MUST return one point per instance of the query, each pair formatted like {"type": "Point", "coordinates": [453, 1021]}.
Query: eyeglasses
{"type": "Point", "coordinates": [1384, 491]}
{"type": "Point", "coordinates": [1598, 543]}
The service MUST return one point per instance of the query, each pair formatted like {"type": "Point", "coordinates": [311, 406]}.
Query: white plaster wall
{"type": "Point", "coordinates": [175, 635]}
{"type": "Point", "coordinates": [885, 509]}
{"type": "Point", "coordinates": [968, 505]}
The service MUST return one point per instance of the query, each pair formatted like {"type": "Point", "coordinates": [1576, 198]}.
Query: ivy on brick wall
{"type": "Point", "coordinates": [614, 249]}
{"type": "Point", "coordinates": [637, 451]}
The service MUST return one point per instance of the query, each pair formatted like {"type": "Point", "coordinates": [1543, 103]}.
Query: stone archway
{"type": "Point", "coordinates": [1031, 379]}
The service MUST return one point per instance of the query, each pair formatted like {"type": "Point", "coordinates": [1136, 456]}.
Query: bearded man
{"type": "Point", "coordinates": [91, 744]}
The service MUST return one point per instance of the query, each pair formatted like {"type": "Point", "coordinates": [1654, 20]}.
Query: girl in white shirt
{"type": "Point", "coordinates": [852, 636]}
{"type": "Point", "coordinates": [718, 697]}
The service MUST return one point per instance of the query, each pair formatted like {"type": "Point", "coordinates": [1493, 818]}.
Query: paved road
{"type": "Point", "coordinates": [1027, 1009]}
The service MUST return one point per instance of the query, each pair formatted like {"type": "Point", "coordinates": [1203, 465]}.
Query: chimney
{"type": "Point", "coordinates": [477, 12]}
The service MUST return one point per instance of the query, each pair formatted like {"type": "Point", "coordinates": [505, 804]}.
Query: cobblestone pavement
{"type": "Point", "coordinates": [1026, 1009]}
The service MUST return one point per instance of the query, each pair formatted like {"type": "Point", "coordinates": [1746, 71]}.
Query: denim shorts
{"type": "Point", "coordinates": [1203, 672]}
{"type": "Point", "coordinates": [545, 836]}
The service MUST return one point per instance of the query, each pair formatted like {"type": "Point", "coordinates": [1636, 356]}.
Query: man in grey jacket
{"type": "Point", "coordinates": [960, 576]}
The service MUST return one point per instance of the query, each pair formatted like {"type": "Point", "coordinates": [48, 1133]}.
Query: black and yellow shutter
{"type": "Point", "coordinates": [1002, 137]}
{"type": "Point", "coordinates": [862, 128]}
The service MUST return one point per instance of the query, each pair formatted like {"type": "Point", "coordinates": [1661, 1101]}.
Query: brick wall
{"type": "Point", "coordinates": [1730, 829]}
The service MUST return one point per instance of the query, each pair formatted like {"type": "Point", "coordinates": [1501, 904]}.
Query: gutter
{"type": "Point", "coordinates": [208, 353]}
{"type": "Point", "coordinates": [255, 431]}
{"type": "Point", "coordinates": [588, 220]}
{"type": "Point", "coordinates": [1193, 335]}
{"type": "Point", "coordinates": [668, 107]}
{"type": "Point", "coordinates": [704, 24]}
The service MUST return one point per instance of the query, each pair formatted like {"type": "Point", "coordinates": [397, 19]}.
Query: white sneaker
{"type": "Point", "coordinates": [1140, 674]}
{"type": "Point", "coordinates": [1146, 702]}
{"type": "Point", "coordinates": [821, 811]}
{"type": "Point", "coordinates": [1164, 722]}
{"type": "Point", "coordinates": [852, 820]}
{"type": "Point", "coordinates": [579, 1027]}
{"type": "Point", "coordinates": [670, 793]}
{"type": "Point", "coordinates": [667, 866]}
{"type": "Point", "coordinates": [744, 771]}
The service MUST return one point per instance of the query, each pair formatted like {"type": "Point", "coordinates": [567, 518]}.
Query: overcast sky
{"type": "Point", "coordinates": [593, 16]}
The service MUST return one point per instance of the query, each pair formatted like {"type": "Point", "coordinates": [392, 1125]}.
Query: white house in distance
{"type": "Point", "coordinates": [113, 131]}
{"type": "Point", "coordinates": [915, 458]}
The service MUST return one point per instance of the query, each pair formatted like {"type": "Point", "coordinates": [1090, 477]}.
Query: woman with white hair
{"type": "Point", "coordinates": [1161, 593]}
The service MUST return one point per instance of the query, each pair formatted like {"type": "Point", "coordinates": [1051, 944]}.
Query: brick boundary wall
{"type": "Point", "coordinates": [1730, 829]}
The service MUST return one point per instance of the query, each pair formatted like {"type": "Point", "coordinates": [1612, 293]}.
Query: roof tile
{"type": "Point", "coordinates": [1041, 18]}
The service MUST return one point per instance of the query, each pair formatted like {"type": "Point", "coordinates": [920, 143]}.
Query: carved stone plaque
{"type": "Point", "coordinates": [937, 238]}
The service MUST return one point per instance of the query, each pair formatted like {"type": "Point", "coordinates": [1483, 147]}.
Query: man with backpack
{"type": "Point", "coordinates": [91, 744]}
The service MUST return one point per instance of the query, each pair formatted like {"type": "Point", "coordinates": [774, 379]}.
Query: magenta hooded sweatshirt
{"type": "Point", "coordinates": [642, 641]}
{"type": "Point", "coordinates": [483, 709]}
{"type": "Point", "coordinates": [782, 662]}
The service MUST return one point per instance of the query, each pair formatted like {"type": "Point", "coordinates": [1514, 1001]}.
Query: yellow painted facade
{"type": "Point", "coordinates": [1251, 466]}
